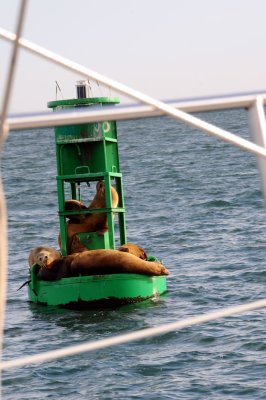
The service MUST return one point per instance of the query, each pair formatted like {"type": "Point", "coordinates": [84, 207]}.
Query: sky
{"type": "Point", "coordinates": [169, 49]}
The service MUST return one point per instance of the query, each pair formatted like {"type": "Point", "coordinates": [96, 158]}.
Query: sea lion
{"type": "Point", "coordinates": [76, 245]}
{"type": "Point", "coordinates": [133, 249]}
{"type": "Point", "coordinates": [96, 222]}
{"type": "Point", "coordinates": [99, 201]}
{"type": "Point", "coordinates": [43, 256]}
{"type": "Point", "coordinates": [99, 262]}
{"type": "Point", "coordinates": [73, 205]}
{"type": "Point", "coordinates": [114, 261]}
{"type": "Point", "coordinates": [58, 269]}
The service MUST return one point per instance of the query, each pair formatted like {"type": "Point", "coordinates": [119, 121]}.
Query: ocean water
{"type": "Point", "coordinates": [194, 202]}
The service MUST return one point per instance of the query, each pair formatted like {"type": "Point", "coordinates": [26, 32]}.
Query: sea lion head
{"type": "Point", "coordinates": [133, 249]}
{"type": "Point", "coordinates": [57, 269]}
{"type": "Point", "coordinates": [100, 188]}
{"type": "Point", "coordinates": [73, 205]}
{"type": "Point", "coordinates": [43, 256]}
{"type": "Point", "coordinates": [99, 199]}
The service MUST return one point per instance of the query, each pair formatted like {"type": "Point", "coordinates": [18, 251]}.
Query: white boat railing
{"type": "Point", "coordinates": [3, 213]}
{"type": "Point", "coordinates": [97, 114]}
{"type": "Point", "coordinates": [256, 103]}
{"type": "Point", "coordinates": [127, 112]}
{"type": "Point", "coordinates": [163, 108]}
{"type": "Point", "coordinates": [253, 102]}
{"type": "Point", "coordinates": [133, 336]}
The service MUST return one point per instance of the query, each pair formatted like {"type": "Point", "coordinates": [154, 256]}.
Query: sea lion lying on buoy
{"type": "Point", "coordinates": [99, 262]}
{"type": "Point", "coordinates": [133, 249]}
{"type": "Point", "coordinates": [96, 222]}
{"type": "Point", "coordinates": [43, 256]}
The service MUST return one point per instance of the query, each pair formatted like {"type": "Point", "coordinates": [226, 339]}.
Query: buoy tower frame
{"type": "Point", "coordinates": [86, 153]}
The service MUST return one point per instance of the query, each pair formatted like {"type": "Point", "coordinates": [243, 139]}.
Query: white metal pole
{"type": "Point", "coordinates": [3, 217]}
{"type": "Point", "coordinates": [133, 336]}
{"type": "Point", "coordinates": [164, 108]}
{"type": "Point", "coordinates": [258, 130]}
{"type": "Point", "coordinates": [94, 115]}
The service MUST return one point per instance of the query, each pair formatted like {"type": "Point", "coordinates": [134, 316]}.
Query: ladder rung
{"type": "Point", "coordinates": [88, 176]}
{"type": "Point", "coordinates": [93, 211]}
{"type": "Point", "coordinates": [86, 140]}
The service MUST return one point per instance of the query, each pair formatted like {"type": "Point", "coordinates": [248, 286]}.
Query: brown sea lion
{"type": "Point", "coordinates": [58, 269]}
{"type": "Point", "coordinates": [73, 205]}
{"type": "Point", "coordinates": [96, 222]}
{"type": "Point", "coordinates": [98, 262]}
{"type": "Point", "coordinates": [114, 261]}
{"type": "Point", "coordinates": [100, 202]}
{"type": "Point", "coordinates": [43, 256]}
{"type": "Point", "coordinates": [76, 245]}
{"type": "Point", "coordinates": [133, 249]}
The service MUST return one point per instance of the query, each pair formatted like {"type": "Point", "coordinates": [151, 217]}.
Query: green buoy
{"type": "Point", "coordinates": [88, 153]}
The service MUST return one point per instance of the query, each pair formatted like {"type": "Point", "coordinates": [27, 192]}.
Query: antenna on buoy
{"type": "Point", "coordinates": [57, 87]}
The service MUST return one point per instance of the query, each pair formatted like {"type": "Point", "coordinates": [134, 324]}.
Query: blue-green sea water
{"type": "Point", "coordinates": [194, 202]}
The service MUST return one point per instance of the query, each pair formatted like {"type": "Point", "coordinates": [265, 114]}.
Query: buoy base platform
{"type": "Point", "coordinates": [96, 291]}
